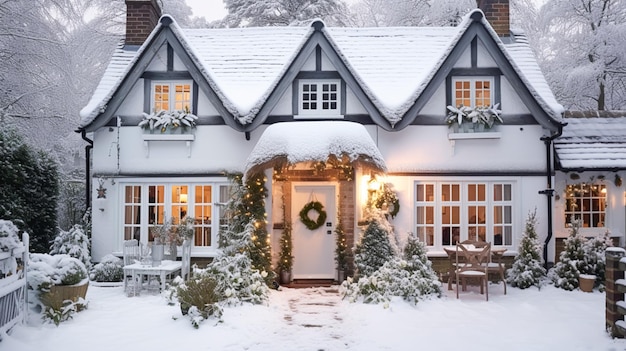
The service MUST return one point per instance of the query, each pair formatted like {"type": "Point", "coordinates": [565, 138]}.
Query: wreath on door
{"type": "Point", "coordinates": [307, 221]}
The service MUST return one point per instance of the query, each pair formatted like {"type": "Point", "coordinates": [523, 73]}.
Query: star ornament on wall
{"type": "Point", "coordinates": [102, 192]}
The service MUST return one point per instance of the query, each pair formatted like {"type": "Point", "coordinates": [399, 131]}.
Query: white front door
{"type": "Point", "coordinates": [314, 250]}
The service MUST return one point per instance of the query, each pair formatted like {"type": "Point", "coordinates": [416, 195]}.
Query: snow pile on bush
{"type": "Point", "coordinates": [9, 236]}
{"type": "Point", "coordinates": [527, 269]}
{"type": "Point", "coordinates": [382, 275]}
{"type": "Point", "coordinates": [73, 242]}
{"type": "Point", "coordinates": [110, 269]}
{"type": "Point", "coordinates": [580, 256]}
{"type": "Point", "coordinates": [45, 270]}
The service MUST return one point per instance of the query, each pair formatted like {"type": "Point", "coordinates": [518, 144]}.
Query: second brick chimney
{"type": "Point", "coordinates": [141, 18]}
{"type": "Point", "coordinates": [497, 13]}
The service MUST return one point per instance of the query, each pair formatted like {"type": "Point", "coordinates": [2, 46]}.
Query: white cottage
{"type": "Point", "coordinates": [324, 113]}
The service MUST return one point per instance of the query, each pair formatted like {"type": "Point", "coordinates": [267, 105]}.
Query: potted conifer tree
{"type": "Point", "coordinates": [285, 260]}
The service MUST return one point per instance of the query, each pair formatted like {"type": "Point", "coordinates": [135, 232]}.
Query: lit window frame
{"type": "Point", "coordinates": [172, 95]}
{"type": "Point", "coordinates": [580, 204]}
{"type": "Point", "coordinates": [473, 90]}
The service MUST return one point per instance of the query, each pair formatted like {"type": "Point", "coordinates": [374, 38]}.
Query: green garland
{"type": "Point", "coordinates": [308, 222]}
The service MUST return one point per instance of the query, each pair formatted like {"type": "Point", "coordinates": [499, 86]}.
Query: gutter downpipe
{"type": "Point", "coordinates": [83, 134]}
{"type": "Point", "coordinates": [549, 191]}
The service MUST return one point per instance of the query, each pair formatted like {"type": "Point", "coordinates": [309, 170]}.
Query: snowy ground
{"type": "Point", "coordinates": [317, 319]}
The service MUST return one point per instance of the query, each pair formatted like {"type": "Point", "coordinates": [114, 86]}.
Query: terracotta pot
{"type": "Point", "coordinates": [586, 282]}
{"type": "Point", "coordinates": [60, 293]}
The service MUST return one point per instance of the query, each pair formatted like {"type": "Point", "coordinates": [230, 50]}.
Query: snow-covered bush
{"type": "Point", "coordinates": [375, 247]}
{"type": "Point", "coordinates": [110, 269]}
{"type": "Point", "coordinates": [527, 269]}
{"type": "Point", "coordinates": [199, 297]}
{"type": "Point", "coordinates": [595, 258]}
{"type": "Point", "coordinates": [9, 236]}
{"type": "Point", "coordinates": [572, 261]}
{"type": "Point", "coordinates": [44, 271]}
{"type": "Point", "coordinates": [410, 277]}
{"type": "Point", "coordinates": [73, 242]}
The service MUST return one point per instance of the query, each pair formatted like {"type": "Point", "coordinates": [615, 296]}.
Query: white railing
{"type": "Point", "coordinates": [13, 294]}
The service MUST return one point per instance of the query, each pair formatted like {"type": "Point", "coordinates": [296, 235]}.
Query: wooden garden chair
{"type": "Point", "coordinates": [475, 266]}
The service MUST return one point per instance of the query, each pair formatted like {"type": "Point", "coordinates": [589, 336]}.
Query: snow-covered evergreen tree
{"type": "Point", "coordinates": [571, 261]}
{"type": "Point", "coordinates": [595, 249]}
{"type": "Point", "coordinates": [28, 189]}
{"type": "Point", "coordinates": [374, 249]}
{"type": "Point", "coordinates": [527, 269]}
{"type": "Point", "coordinates": [73, 242]}
{"type": "Point", "coordinates": [410, 277]}
{"type": "Point", "coordinates": [259, 13]}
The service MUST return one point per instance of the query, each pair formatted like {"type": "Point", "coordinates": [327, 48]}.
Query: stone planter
{"type": "Point", "coordinates": [586, 282]}
{"type": "Point", "coordinates": [341, 275]}
{"type": "Point", "coordinates": [60, 293]}
{"type": "Point", "coordinates": [285, 277]}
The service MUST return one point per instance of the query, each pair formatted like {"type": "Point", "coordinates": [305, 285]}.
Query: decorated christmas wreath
{"type": "Point", "coordinates": [388, 198]}
{"type": "Point", "coordinates": [308, 222]}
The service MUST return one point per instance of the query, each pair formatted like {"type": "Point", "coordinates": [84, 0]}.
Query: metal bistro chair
{"type": "Point", "coordinates": [131, 255]}
{"type": "Point", "coordinates": [476, 266]}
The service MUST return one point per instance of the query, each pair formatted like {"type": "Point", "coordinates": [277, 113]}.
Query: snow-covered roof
{"type": "Point", "coordinates": [593, 143]}
{"type": "Point", "coordinates": [309, 141]}
{"type": "Point", "coordinates": [392, 64]}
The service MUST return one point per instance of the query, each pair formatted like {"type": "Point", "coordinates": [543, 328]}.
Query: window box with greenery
{"type": "Point", "coordinates": [169, 121]}
{"type": "Point", "coordinates": [465, 119]}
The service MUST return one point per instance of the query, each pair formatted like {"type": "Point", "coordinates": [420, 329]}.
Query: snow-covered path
{"type": "Point", "coordinates": [318, 319]}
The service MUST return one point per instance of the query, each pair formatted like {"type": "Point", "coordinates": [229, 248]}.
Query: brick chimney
{"type": "Point", "coordinates": [141, 18]}
{"type": "Point", "coordinates": [497, 14]}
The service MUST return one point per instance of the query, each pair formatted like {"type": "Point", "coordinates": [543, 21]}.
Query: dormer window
{"type": "Point", "coordinates": [472, 91]}
{"type": "Point", "coordinates": [171, 96]}
{"type": "Point", "coordinates": [319, 97]}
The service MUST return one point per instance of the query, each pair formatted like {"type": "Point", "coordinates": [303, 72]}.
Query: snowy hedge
{"type": "Point", "coordinates": [9, 236]}
{"type": "Point", "coordinates": [110, 269]}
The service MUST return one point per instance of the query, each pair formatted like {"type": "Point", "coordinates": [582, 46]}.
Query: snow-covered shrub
{"type": "Point", "coordinates": [374, 249]}
{"type": "Point", "coordinates": [73, 242]}
{"type": "Point", "coordinates": [527, 269]}
{"type": "Point", "coordinates": [9, 236]}
{"type": "Point", "coordinates": [110, 269]}
{"type": "Point", "coordinates": [595, 258]}
{"type": "Point", "coordinates": [46, 270]}
{"type": "Point", "coordinates": [199, 297]}
{"type": "Point", "coordinates": [571, 261]}
{"type": "Point", "coordinates": [238, 281]}
{"type": "Point", "coordinates": [410, 277]}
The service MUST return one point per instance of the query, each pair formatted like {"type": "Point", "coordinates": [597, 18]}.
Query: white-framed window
{"type": "Point", "coordinates": [147, 205]}
{"type": "Point", "coordinates": [472, 91]}
{"type": "Point", "coordinates": [171, 96]}
{"type": "Point", "coordinates": [319, 97]}
{"type": "Point", "coordinates": [447, 212]}
{"type": "Point", "coordinates": [586, 202]}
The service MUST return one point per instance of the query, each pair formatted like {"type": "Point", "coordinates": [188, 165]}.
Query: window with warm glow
{"type": "Point", "coordinates": [149, 205]}
{"type": "Point", "coordinates": [587, 203]}
{"type": "Point", "coordinates": [171, 96]}
{"type": "Point", "coordinates": [449, 212]}
{"type": "Point", "coordinates": [472, 91]}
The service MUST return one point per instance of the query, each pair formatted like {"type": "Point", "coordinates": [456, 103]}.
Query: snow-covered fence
{"type": "Point", "coordinates": [13, 294]}
{"type": "Point", "coordinates": [615, 285]}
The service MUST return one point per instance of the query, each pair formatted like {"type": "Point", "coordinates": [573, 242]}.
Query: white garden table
{"type": "Point", "coordinates": [138, 270]}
